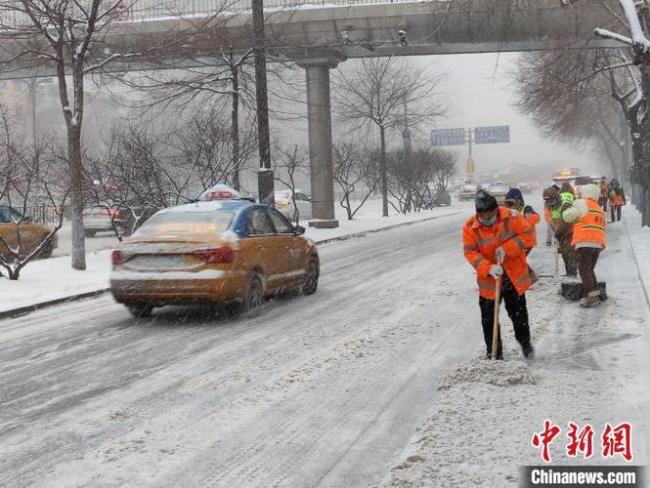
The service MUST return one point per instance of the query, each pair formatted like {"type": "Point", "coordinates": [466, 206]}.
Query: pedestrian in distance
{"type": "Point", "coordinates": [589, 239]}
{"type": "Point", "coordinates": [616, 199]}
{"type": "Point", "coordinates": [515, 200]}
{"type": "Point", "coordinates": [604, 193]}
{"type": "Point", "coordinates": [495, 240]}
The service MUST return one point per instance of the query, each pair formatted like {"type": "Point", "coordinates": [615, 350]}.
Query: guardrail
{"type": "Point", "coordinates": [46, 214]}
{"type": "Point", "coordinates": [146, 10]}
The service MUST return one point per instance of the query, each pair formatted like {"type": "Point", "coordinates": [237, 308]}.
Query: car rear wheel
{"type": "Point", "coordinates": [254, 296]}
{"type": "Point", "coordinates": [46, 251]}
{"type": "Point", "coordinates": [311, 277]}
{"type": "Point", "coordinates": [140, 311]}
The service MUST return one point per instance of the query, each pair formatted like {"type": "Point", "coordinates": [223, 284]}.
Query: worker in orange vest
{"type": "Point", "coordinates": [499, 235]}
{"type": "Point", "coordinates": [616, 199]}
{"type": "Point", "coordinates": [589, 239]}
{"type": "Point", "coordinates": [515, 200]}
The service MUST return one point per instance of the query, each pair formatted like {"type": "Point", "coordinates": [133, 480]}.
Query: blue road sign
{"type": "Point", "coordinates": [492, 134]}
{"type": "Point", "coordinates": [448, 137]}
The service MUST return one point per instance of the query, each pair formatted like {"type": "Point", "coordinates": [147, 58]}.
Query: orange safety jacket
{"type": "Point", "coordinates": [548, 218]}
{"type": "Point", "coordinates": [616, 200]}
{"type": "Point", "coordinates": [592, 226]}
{"type": "Point", "coordinates": [533, 219]}
{"type": "Point", "coordinates": [512, 232]}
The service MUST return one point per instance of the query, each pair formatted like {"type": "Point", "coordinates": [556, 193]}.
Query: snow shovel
{"type": "Point", "coordinates": [497, 306]}
{"type": "Point", "coordinates": [557, 259]}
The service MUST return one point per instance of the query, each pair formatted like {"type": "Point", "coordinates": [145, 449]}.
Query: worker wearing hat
{"type": "Point", "coordinates": [515, 200]}
{"type": "Point", "coordinates": [495, 240]}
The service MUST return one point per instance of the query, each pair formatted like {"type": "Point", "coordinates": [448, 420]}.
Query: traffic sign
{"type": "Point", "coordinates": [448, 137]}
{"type": "Point", "coordinates": [492, 134]}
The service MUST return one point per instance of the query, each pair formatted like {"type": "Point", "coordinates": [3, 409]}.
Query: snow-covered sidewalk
{"type": "Point", "coordinates": [52, 280]}
{"type": "Point", "coordinates": [591, 368]}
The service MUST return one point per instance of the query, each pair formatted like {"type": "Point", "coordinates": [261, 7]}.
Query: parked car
{"type": "Point", "coordinates": [99, 219]}
{"type": "Point", "coordinates": [499, 189]}
{"type": "Point", "coordinates": [207, 252]}
{"type": "Point", "coordinates": [285, 204]}
{"type": "Point", "coordinates": [32, 234]}
{"type": "Point", "coordinates": [468, 192]}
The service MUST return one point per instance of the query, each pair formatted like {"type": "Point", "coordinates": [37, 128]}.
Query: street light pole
{"type": "Point", "coordinates": [265, 174]}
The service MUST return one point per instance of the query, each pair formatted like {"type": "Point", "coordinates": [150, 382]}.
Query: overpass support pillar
{"type": "Point", "coordinates": [319, 113]}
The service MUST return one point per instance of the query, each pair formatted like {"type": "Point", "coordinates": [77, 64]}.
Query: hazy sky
{"type": "Point", "coordinates": [479, 92]}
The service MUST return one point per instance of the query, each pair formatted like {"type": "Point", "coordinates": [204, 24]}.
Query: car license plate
{"type": "Point", "coordinates": [158, 262]}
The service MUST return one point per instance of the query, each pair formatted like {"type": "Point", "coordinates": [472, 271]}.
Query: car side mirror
{"type": "Point", "coordinates": [299, 230]}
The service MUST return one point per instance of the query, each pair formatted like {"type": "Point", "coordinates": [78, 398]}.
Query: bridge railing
{"type": "Point", "coordinates": [147, 10]}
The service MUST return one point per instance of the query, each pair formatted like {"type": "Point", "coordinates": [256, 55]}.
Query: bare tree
{"type": "Point", "coordinates": [374, 91]}
{"type": "Point", "coordinates": [289, 162]}
{"type": "Point", "coordinates": [354, 172]}
{"type": "Point", "coordinates": [633, 19]}
{"type": "Point", "coordinates": [136, 177]}
{"type": "Point", "coordinates": [418, 179]}
{"type": "Point", "coordinates": [205, 145]}
{"type": "Point", "coordinates": [27, 172]}
{"type": "Point", "coordinates": [69, 37]}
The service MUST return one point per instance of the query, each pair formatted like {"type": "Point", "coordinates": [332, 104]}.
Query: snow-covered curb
{"type": "Point", "coordinates": [52, 281]}
{"type": "Point", "coordinates": [640, 243]}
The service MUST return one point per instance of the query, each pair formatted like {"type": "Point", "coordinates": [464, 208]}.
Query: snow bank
{"type": "Point", "coordinates": [53, 279]}
{"type": "Point", "coordinates": [498, 373]}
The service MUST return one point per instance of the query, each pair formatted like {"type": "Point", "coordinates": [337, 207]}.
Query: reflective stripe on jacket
{"type": "Point", "coordinates": [515, 234]}
{"type": "Point", "coordinates": [591, 227]}
{"type": "Point", "coordinates": [567, 197]}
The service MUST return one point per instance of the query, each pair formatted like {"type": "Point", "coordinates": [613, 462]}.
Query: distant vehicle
{"type": "Point", "coordinates": [285, 204]}
{"type": "Point", "coordinates": [32, 234]}
{"type": "Point", "coordinates": [499, 189]}
{"type": "Point", "coordinates": [585, 180]}
{"type": "Point", "coordinates": [100, 219]}
{"type": "Point", "coordinates": [207, 252]}
{"type": "Point", "coordinates": [468, 192]}
{"type": "Point", "coordinates": [565, 175]}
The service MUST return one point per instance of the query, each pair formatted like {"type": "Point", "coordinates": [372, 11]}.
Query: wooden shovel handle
{"type": "Point", "coordinates": [495, 323]}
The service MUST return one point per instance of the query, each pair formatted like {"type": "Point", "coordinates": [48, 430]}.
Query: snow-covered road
{"type": "Point", "coordinates": [318, 391]}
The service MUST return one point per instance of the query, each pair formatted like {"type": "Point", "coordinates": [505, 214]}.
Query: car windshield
{"type": "Point", "coordinates": [186, 223]}
{"type": "Point", "coordinates": [9, 214]}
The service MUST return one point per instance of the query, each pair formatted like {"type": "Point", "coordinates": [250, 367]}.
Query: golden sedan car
{"type": "Point", "coordinates": [209, 252]}
{"type": "Point", "coordinates": [32, 234]}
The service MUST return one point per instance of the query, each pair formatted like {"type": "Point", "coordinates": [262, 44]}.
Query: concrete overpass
{"type": "Point", "coordinates": [319, 35]}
